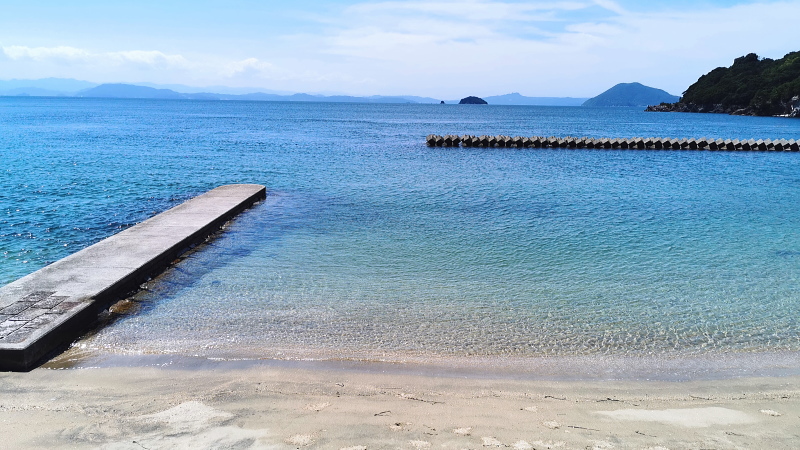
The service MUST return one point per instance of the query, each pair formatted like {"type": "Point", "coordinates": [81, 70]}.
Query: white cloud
{"type": "Point", "coordinates": [487, 30]}
{"type": "Point", "coordinates": [548, 48]}
{"type": "Point", "coordinates": [58, 54]}
{"type": "Point", "coordinates": [471, 11]}
{"type": "Point", "coordinates": [449, 49]}
{"type": "Point", "coordinates": [72, 55]}
{"type": "Point", "coordinates": [249, 66]}
{"type": "Point", "coordinates": [611, 6]}
{"type": "Point", "coordinates": [147, 58]}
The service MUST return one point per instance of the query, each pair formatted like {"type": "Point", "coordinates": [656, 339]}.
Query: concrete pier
{"type": "Point", "coordinates": [48, 309]}
{"type": "Point", "coordinates": [637, 143]}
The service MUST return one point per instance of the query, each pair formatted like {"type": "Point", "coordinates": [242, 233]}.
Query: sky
{"type": "Point", "coordinates": [439, 48]}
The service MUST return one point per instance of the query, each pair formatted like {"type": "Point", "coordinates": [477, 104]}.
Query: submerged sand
{"type": "Point", "coordinates": [225, 405]}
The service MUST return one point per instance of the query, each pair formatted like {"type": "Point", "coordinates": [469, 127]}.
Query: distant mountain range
{"type": "Point", "coordinates": [517, 99]}
{"type": "Point", "coordinates": [631, 94]}
{"type": "Point", "coordinates": [44, 87]}
{"type": "Point", "coordinates": [135, 91]}
{"type": "Point", "coordinates": [61, 87]}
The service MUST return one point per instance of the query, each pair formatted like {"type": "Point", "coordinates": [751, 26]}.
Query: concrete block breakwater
{"type": "Point", "coordinates": [780, 145]}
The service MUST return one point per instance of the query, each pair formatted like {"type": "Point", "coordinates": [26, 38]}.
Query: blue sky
{"type": "Point", "coordinates": [443, 49]}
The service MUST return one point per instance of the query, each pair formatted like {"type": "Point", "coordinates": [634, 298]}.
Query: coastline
{"type": "Point", "coordinates": [726, 204]}
{"type": "Point", "coordinates": [579, 368]}
{"type": "Point", "coordinates": [228, 405]}
{"type": "Point", "coordinates": [732, 110]}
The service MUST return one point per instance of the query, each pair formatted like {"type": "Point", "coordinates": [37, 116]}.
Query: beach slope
{"type": "Point", "coordinates": [281, 408]}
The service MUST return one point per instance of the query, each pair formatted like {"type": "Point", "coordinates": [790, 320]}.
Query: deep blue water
{"type": "Point", "coordinates": [372, 245]}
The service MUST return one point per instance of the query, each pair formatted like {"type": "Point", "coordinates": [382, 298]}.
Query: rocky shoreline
{"type": "Point", "coordinates": [791, 108]}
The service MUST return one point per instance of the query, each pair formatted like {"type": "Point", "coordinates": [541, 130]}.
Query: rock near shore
{"type": "Point", "coordinates": [790, 109]}
{"type": "Point", "coordinates": [795, 107]}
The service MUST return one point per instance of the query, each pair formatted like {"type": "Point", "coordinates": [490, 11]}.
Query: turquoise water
{"type": "Point", "coordinates": [372, 246]}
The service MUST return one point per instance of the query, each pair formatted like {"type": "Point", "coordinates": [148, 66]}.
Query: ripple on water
{"type": "Point", "coordinates": [373, 246]}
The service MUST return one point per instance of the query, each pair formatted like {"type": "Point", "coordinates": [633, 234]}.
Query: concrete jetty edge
{"type": "Point", "coordinates": [44, 311]}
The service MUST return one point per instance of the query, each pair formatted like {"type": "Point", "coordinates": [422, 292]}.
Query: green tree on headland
{"type": "Point", "coordinates": [751, 86]}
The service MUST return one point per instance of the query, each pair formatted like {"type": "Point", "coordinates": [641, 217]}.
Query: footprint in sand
{"type": "Point", "coordinates": [317, 407]}
{"type": "Point", "coordinates": [191, 424]}
{"type": "Point", "coordinates": [189, 416]}
{"type": "Point", "coordinates": [491, 442]}
{"type": "Point", "coordinates": [399, 426]}
{"type": "Point", "coordinates": [548, 444]}
{"type": "Point", "coordinates": [466, 431]}
{"type": "Point", "coordinates": [300, 440]}
{"type": "Point", "coordinates": [552, 424]}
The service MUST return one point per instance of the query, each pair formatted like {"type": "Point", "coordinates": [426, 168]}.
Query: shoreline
{"type": "Point", "coordinates": [589, 368]}
{"type": "Point", "coordinates": [225, 405]}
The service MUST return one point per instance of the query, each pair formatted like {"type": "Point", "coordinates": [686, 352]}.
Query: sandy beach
{"type": "Point", "coordinates": [228, 405]}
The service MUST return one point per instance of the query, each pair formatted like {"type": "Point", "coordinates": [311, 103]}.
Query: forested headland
{"type": "Point", "coordinates": [752, 86]}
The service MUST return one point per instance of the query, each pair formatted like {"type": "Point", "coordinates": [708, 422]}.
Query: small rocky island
{"type": "Point", "coordinates": [472, 101]}
{"type": "Point", "coordinates": [752, 86]}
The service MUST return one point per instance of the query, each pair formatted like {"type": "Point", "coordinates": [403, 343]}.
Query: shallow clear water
{"type": "Point", "coordinates": [372, 246]}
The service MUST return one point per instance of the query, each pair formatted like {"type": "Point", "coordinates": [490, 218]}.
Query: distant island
{"type": "Point", "coordinates": [472, 100]}
{"type": "Point", "coordinates": [752, 86]}
{"type": "Point", "coordinates": [631, 94]}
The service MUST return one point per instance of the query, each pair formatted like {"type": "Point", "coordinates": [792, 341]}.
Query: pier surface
{"type": "Point", "coordinates": [47, 309]}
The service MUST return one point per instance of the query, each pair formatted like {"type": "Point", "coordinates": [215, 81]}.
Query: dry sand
{"type": "Point", "coordinates": [230, 406]}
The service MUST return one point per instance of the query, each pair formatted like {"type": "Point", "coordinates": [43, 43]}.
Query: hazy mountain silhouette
{"type": "Point", "coordinates": [517, 99]}
{"type": "Point", "coordinates": [631, 94]}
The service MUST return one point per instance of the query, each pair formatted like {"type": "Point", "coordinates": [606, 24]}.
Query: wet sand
{"type": "Point", "coordinates": [230, 405]}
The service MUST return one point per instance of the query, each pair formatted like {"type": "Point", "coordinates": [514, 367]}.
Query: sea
{"type": "Point", "coordinates": [374, 249]}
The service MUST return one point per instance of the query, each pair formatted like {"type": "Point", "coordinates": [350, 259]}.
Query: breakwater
{"type": "Point", "coordinates": [45, 310]}
{"type": "Point", "coordinates": [780, 145]}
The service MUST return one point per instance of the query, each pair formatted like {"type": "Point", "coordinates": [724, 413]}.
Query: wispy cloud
{"type": "Point", "coordinates": [40, 54]}
{"type": "Point", "coordinates": [496, 45]}
{"type": "Point", "coordinates": [442, 48]}
{"type": "Point", "coordinates": [72, 55]}
{"type": "Point", "coordinates": [611, 6]}
{"type": "Point", "coordinates": [470, 11]}
{"type": "Point", "coordinates": [488, 30]}
{"type": "Point", "coordinates": [152, 58]}
{"type": "Point", "coordinates": [248, 67]}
